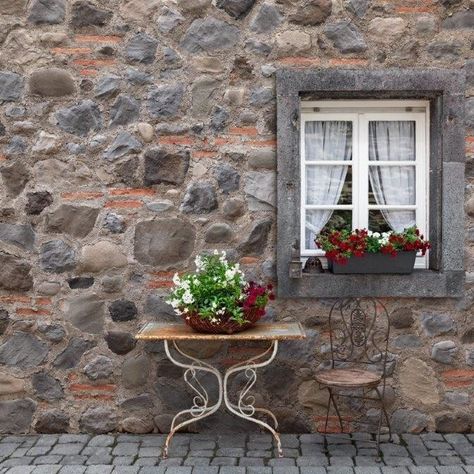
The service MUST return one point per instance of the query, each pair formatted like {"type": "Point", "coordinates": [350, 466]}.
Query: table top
{"type": "Point", "coordinates": [260, 332]}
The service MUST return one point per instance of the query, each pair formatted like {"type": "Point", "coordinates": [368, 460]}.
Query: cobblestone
{"type": "Point", "coordinates": [429, 453]}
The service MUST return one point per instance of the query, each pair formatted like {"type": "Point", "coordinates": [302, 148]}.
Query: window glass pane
{"type": "Point", "coordinates": [328, 140]}
{"type": "Point", "coordinates": [392, 185]}
{"type": "Point", "coordinates": [323, 220]}
{"type": "Point", "coordinates": [328, 184]}
{"type": "Point", "coordinates": [392, 140]}
{"type": "Point", "coordinates": [384, 221]}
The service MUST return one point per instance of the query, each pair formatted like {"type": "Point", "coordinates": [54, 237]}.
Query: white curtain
{"type": "Point", "coordinates": [393, 185]}
{"type": "Point", "coordinates": [325, 141]}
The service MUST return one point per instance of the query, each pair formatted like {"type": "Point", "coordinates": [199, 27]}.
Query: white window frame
{"type": "Point", "coordinates": [360, 112]}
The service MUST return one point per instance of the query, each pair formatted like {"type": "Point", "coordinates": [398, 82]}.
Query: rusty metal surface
{"type": "Point", "coordinates": [260, 332]}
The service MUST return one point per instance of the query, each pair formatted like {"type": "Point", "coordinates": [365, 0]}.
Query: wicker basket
{"type": "Point", "coordinates": [226, 326]}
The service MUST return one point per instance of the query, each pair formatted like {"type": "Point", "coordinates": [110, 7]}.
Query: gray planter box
{"type": "Point", "coordinates": [376, 263]}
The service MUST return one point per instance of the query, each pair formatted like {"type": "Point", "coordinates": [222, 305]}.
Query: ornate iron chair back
{"type": "Point", "coordinates": [359, 333]}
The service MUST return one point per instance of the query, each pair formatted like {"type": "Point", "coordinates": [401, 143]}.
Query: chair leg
{"type": "Point", "coordinates": [333, 398]}
{"type": "Point", "coordinates": [382, 403]}
{"type": "Point", "coordinates": [327, 411]}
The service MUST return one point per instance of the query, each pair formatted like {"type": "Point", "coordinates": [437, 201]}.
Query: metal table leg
{"type": "Point", "coordinates": [244, 408]}
{"type": "Point", "coordinates": [201, 407]}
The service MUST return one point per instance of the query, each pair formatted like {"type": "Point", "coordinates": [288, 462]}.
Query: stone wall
{"type": "Point", "coordinates": [135, 134]}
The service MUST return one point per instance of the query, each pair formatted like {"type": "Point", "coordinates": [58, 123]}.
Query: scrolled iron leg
{"type": "Point", "coordinates": [244, 408]}
{"type": "Point", "coordinates": [201, 407]}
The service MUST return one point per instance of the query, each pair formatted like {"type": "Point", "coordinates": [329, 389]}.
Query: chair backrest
{"type": "Point", "coordinates": [359, 333]}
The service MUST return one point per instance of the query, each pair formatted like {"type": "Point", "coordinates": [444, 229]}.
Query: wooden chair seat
{"type": "Point", "coordinates": [348, 378]}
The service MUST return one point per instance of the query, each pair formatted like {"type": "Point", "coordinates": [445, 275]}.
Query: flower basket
{"type": "Point", "coordinates": [376, 263]}
{"type": "Point", "coordinates": [223, 326]}
{"type": "Point", "coordinates": [216, 298]}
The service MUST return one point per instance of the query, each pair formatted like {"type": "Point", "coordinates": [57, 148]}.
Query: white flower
{"type": "Point", "coordinates": [176, 279]}
{"type": "Point", "coordinates": [369, 233]}
{"type": "Point", "coordinates": [199, 263]}
{"type": "Point", "coordinates": [376, 235]}
{"type": "Point", "coordinates": [174, 303]}
{"type": "Point", "coordinates": [216, 252]}
{"type": "Point", "coordinates": [188, 297]}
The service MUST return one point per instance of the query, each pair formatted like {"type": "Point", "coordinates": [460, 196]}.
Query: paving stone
{"type": "Point", "coordinates": [74, 459]}
{"type": "Point", "coordinates": [339, 470]}
{"type": "Point", "coordinates": [126, 469]}
{"type": "Point", "coordinates": [125, 449]}
{"type": "Point", "coordinates": [194, 461]}
{"type": "Point", "coordinates": [449, 460]}
{"type": "Point", "coordinates": [222, 461]}
{"type": "Point", "coordinates": [422, 470]}
{"type": "Point", "coordinates": [313, 470]}
{"type": "Point", "coordinates": [251, 462]}
{"type": "Point", "coordinates": [99, 469]}
{"type": "Point", "coordinates": [312, 461]}
{"type": "Point", "coordinates": [72, 470]}
{"type": "Point", "coordinates": [397, 461]}
{"type": "Point", "coordinates": [394, 470]}
{"type": "Point", "coordinates": [47, 469]}
{"type": "Point", "coordinates": [205, 470]}
{"type": "Point", "coordinates": [123, 460]}
{"type": "Point", "coordinates": [264, 470]}
{"type": "Point", "coordinates": [283, 470]}
{"type": "Point", "coordinates": [73, 448]}
{"type": "Point", "coordinates": [367, 470]}
{"type": "Point", "coordinates": [450, 470]}
{"type": "Point", "coordinates": [49, 459]}
{"type": "Point", "coordinates": [367, 460]}
{"type": "Point", "coordinates": [341, 461]}
{"type": "Point", "coordinates": [20, 470]}
{"type": "Point", "coordinates": [74, 438]}
{"type": "Point", "coordinates": [231, 470]}
{"type": "Point", "coordinates": [281, 462]}
{"type": "Point", "coordinates": [425, 461]}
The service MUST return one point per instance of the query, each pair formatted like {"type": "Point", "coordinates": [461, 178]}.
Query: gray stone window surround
{"type": "Point", "coordinates": [445, 90]}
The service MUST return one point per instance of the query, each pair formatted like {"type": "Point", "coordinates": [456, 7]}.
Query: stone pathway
{"type": "Point", "coordinates": [429, 453]}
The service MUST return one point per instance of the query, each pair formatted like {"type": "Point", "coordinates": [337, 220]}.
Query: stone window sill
{"type": "Point", "coordinates": [419, 284]}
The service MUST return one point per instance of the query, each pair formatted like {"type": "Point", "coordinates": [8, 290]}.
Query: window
{"type": "Point", "coordinates": [364, 164]}
{"type": "Point", "coordinates": [368, 182]}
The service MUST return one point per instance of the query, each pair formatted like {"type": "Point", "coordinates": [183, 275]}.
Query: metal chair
{"type": "Point", "coordinates": [359, 333]}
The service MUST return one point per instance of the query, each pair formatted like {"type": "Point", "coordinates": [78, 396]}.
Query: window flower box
{"type": "Point", "coordinates": [376, 263]}
{"type": "Point", "coordinates": [363, 251]}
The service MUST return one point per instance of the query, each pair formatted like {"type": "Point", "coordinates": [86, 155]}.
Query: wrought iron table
{"type": "Point", "coordinates": [244, 407]}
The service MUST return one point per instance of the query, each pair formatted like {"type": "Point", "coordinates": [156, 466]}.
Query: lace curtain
{"type": "Point", "coordinates": [393, 185]}
{"type": "Point", "coordinates": [325, 141]}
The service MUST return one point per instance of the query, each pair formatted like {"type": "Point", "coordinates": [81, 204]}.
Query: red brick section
{"type": "Point", "coordinates": [32, 312]}
{"type": "Point", "coordinates": [94, 62]}
{"type": "Point", "coordinates": [243, 131]}
{"type": "Point", "coordinates": [161, 279]}
{"type": "Point", "coordinates": [248, 260]}
{"type": "Point", "coordinates": [82, 196]}
{"type": "Point", "coordinates": [97, 39]}
{"type": "Point", "coordinates": [129, 204]}
{"type": "Point", "coordinates": [176, 140]}
{"type": "Point", "coordinates": [81, 51]}
{"type": "Point", "coordinates": [83, 391]}
{"type": "Point", "coordinates": [132, 192]}
{"type": "Point", "coordinates": [470, 145]}
{"type": "Point", "coordinates": [12, 299]}
{"type": "Point", "coordinates": [333, 424]}
{"type": "Point", "coordinates": [458, 378]}
{"type": "Point", "coordinates": [205, 154]}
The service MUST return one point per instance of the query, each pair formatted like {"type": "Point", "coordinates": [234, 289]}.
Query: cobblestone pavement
{"type": "Point", "coordinates": [430, 453]}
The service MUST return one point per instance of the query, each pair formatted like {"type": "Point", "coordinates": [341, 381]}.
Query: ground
{"type": "Point", "coordinates": [430, 453]}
